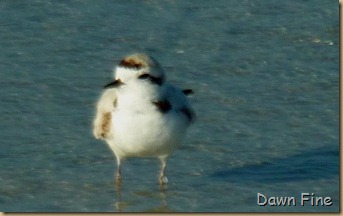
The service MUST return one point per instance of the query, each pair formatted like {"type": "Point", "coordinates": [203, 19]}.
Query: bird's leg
{"type": "Point", "coordinates": [163, 179]}
{"type": "Point", "coordinates": [118, 172]}
{"type": "Point", "coordinates": [118, 186]}
{"type": "Point", "coordinates": [118, 175]}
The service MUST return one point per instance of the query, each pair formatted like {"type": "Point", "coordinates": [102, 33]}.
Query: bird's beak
{"type": "Point", "coordinates": [114, 84]}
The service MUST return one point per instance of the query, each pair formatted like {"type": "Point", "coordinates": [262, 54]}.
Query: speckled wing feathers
{"type": "Point", "coordinates": [102, 121]}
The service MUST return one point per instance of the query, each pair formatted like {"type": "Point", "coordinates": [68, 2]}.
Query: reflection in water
{"type": "Point", "coordinates": [163, 196]}
{"type": "Point", "coordinates": [163, 189]}
{"type": "Point", "coordinates": [120, 204]}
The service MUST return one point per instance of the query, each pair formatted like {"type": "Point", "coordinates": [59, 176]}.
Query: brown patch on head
{"type": "Point", "coordinates": [129, 63]}
{"type": "Point", "coordinates": [136, 61]}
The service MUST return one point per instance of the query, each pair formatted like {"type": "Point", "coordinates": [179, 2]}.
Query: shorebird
{"type": "Point", "coordinates": [140, 114]}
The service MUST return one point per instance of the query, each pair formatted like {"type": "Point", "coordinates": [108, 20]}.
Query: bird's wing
{"type": "Point", "coordinates": [102, 120]}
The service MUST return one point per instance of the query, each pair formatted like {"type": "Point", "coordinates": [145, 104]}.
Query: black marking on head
{"type": "Point", "coordinates": [144, 76]}
{"type": "Point", "coordinates": [188, 113]}
{"type": "Point", "coordinates": [130, 63]}
{"type": "Point", "coordinates": [188, 91]}
{"type": "Point", "coordinates": [163, 106]}
{"type": "Point", "coordinates": [114, 84]}
{"type": "Point", "coordinates": [154, 80]}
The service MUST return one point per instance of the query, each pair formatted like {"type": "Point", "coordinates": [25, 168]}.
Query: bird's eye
{"type": "Point", "coordinates": [144, 76]}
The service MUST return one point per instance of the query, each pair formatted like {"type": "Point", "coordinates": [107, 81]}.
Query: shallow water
{"type": "Point", "coordinates": [266, 81]}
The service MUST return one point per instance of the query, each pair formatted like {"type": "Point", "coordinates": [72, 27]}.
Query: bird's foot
{"type": "Point", "coordinates": [163, 180]}
{"type": "Point", "coordinates": [118, 178]}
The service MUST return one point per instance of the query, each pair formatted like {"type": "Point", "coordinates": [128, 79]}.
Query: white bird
{"type": "Point", "coordinates": [140, 114]}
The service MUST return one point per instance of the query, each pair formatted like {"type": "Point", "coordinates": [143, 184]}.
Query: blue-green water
{"type": "Point", "coordinates": [265, 74]}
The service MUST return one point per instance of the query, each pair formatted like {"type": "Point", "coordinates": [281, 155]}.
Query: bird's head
{"type": "Point", "coordinates": [137, 66]}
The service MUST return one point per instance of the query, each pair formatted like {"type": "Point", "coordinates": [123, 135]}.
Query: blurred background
{"type": "Point", "coordinates": [265, 76]}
